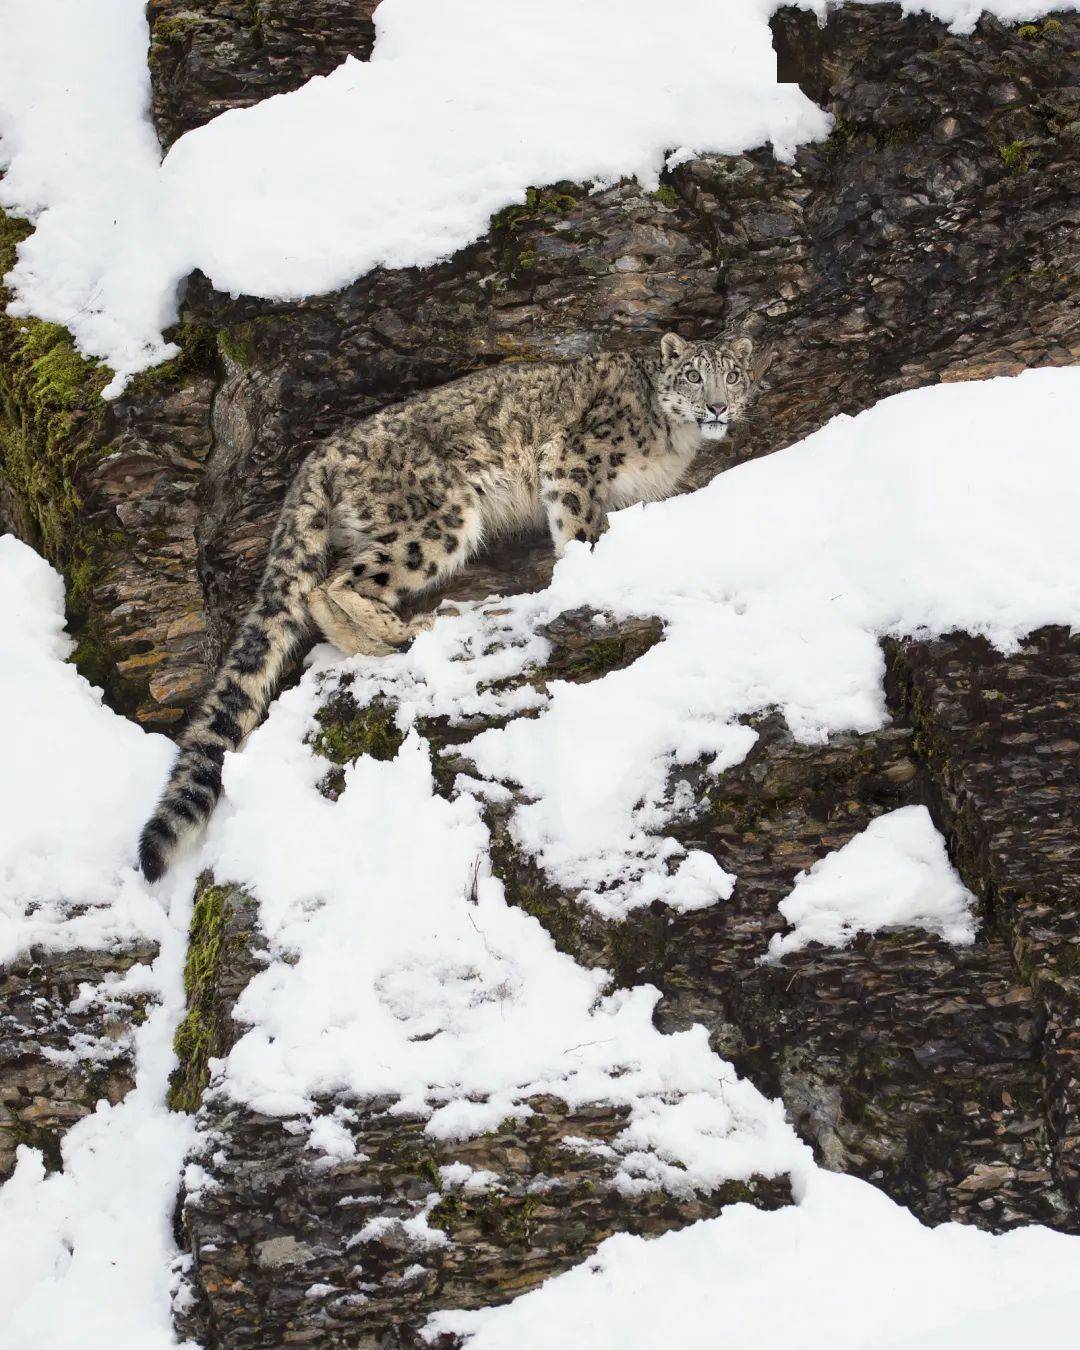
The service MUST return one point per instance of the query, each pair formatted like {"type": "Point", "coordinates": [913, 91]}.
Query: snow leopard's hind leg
{"type": "Point", "coordinates": [357, 607]}
{"type": "Point", "coordinates": [355, 623]}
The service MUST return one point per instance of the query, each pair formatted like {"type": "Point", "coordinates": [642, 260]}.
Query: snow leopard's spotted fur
{"type": "Point", "coordinates": [406, 497]}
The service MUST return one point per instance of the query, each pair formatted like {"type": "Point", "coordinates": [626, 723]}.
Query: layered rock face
{"type": "Point", "coordinates": [932, 237]}
{"type": "Point", "coordinates": [946, 1076]}
{"type": "Point", "coordinates": [207, 56]}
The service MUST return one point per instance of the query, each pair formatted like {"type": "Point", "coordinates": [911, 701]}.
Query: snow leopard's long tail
{"type": "Point", "coordinates": [268, 639]}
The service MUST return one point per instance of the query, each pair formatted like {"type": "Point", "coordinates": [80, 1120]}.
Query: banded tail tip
{"type": "Point", "coordinates": [153, 856]}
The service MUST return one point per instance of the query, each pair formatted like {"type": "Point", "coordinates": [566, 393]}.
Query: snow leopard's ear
{"type": "Point", "coordinates": [742, 347]}
{"type": "Point", "coordinates": [763, 359]}
{"type": "Point", "coordinates": [672, 346]}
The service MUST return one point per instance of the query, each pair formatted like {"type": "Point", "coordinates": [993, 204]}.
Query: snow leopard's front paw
{"type": "Point", "coordinates": [420, 624]}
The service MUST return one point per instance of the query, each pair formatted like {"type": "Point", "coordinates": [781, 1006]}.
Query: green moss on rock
{"type": "Point", "coordinates": [45, 1140]}
{"type": "Point", "coordinates": [1031, 32]}
{"type": "Point", "coordinates": [502, 1218]}
{"type": "Point", "coordinates": [50, 414]}
{"type": "Point", "coordinates": [204, 1034]}
{"type": "Point", "coordinates": [347, 730]}
{"type": "Point", "coordinates": [52, 426]}
{"type": "Point", "coordinates": [528, 889]}
{"type": "Point", "coordinates": [1015, 156]}
{"type": "Point", "coordinates": [198, 344]}
{"type": "Point", "coordinates": [237, 343]}
{"type": "Point", "coordinates": [552, 201]}
{"type": "Point", "coordinates": [448, 1213]}
{"type": "Point", "coordinates": [175, 28]}
{"type": "Point", "coordinates": [170, 36]}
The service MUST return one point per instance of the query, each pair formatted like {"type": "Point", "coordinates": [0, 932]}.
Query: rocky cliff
{"type": "Point", "coordinates": [931, 237]}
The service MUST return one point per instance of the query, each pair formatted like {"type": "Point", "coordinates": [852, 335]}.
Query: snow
{"type": "Point", "coordinates": [75, 784]}
{"type": "Point", "coordinates": [962, 15]}
{"type": "Point", "coordinates": [394, 162]}
{"type": "Point", "coordinates": [397, 966]}
{"type": "Point", "coordinates": [297, 196]}
{"type": "Point", "coordinates": [81, 160]}
{"type": "Point", "coordinates": [845, 1269]}
{"type": "Point", "coordinates": [401, 969]}
{"type": "Point", "coordinates": [329, 1135]}
{"type": "Point", "coordinates": [84, 1253]}
{"type": "Point", "coordinates": [896, 872]}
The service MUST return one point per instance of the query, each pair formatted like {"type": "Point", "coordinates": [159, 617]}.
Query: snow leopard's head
{"type": "Point", "coordinates": [709, 383]}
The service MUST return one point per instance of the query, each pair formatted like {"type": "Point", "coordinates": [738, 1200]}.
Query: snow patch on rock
{"type": "Point", "coordinates": [896, 872]}
{"type": "Point", "coordinates": [75, 782]}
{"type": "Point", "coordinates": [395, 162]}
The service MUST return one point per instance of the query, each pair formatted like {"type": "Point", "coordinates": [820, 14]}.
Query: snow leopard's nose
{"type": "Point", "coordinates": [718, 409]}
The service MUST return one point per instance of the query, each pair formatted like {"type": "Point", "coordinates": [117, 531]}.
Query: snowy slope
{"type": "Point", "coordinates": [84, 1253]}
{"type": "Point", "coordinates": [951, 506]}
{"type": "Point", "coordinates": [845, 1269]}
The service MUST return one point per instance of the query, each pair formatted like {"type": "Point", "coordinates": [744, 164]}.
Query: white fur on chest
{"type": "Point", "coordinates": [650, 478]}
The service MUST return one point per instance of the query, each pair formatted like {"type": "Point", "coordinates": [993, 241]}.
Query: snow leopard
{"type": "Point", "coordinates": [400, 501]}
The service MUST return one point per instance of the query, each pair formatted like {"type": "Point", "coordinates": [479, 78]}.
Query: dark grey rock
{"type": "Point", "coordinates": [208, 56]}
{"type": "Point", "coordinates": [61, 1051]}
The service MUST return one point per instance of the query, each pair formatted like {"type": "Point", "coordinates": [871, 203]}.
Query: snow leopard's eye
{"type": "Point", "coordinates": [733, 377]}
{"type": "Point", "coordinates": [694, 376]}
